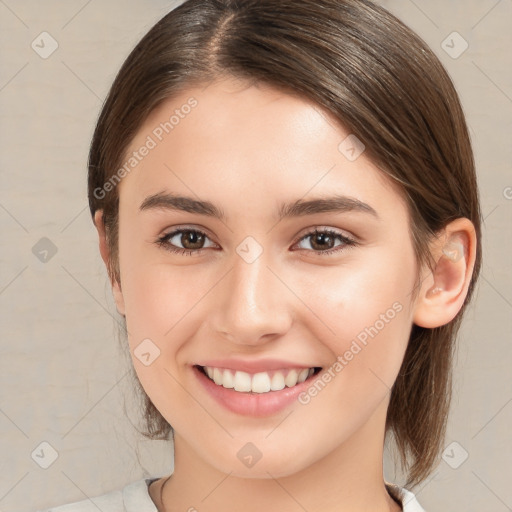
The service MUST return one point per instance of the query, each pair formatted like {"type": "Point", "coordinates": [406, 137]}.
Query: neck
{"type": "Point", "coordinates": [348, 479]}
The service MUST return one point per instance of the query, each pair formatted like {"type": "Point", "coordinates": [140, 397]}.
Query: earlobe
{"type": "Point", "coordinates": [444, 290]}
{"type": "Point", "coordinates": [105, 256]}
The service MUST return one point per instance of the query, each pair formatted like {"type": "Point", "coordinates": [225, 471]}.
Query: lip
{"type": "Point", "coordinates": [263, 365]}
{"type": "Point", "coordinates": [252, 404]}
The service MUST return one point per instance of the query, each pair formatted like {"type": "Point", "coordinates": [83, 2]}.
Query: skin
{"type": "Point", "coordinates": [247, 149]}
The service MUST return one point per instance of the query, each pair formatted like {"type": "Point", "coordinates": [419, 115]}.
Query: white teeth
{"type": "Point", "coordinates": [228, 380]}
{"type": "Point", "coordinates": [242, 381]}
{"type": "Point", "coordinates": [291, 379]}
{"type": "Point", "coordinates": [277, 382]}
{"type": "Point", "coordinates": [303, 375]}
{"type": "Point", "coordinates": [217, 376]}
{"type": "Point", "coordinates": [259, 382]}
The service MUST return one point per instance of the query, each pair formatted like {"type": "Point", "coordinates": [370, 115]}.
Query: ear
{"type": "Point", "coordinates": [105, 256]}
{"type": "Point", "coordinates": [444, 289]}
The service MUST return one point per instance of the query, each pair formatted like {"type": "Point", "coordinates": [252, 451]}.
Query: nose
{"type": "Point", "coordinates": [252, 304]}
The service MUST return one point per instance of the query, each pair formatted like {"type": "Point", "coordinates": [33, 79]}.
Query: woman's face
{"type": "Point", "coordinates": [257, 291]}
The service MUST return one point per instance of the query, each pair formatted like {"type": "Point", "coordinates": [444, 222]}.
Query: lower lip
{"type": "Point", "coordinates": [253, 404]}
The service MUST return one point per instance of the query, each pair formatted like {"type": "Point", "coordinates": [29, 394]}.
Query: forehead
{"type": "Point", "coordinates": [233, 140]}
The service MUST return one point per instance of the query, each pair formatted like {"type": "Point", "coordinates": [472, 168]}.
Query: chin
{"type": "Point", "coordinates": [250, 462]}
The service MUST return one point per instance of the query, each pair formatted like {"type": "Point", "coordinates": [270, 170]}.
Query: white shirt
{"type": "Point", "coordinates": [135, 498]}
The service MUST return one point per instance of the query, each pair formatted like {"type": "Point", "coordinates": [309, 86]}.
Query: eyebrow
{"type": "Point", "coordinates": [298, 208]}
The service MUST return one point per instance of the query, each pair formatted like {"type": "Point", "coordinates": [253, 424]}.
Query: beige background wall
{"type": "Point", "coordinates": [64, 377]}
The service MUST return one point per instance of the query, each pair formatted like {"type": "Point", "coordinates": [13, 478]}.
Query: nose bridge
{"type": "Point", "coordinates": [253, 304]}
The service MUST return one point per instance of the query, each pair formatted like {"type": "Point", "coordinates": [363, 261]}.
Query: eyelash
{"type": "Point", "coordinates": [163, 241]}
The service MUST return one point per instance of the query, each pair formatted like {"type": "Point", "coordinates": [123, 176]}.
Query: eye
{"type": "Point", "coordinates": [322, 241]}
{"type": "Point", "coordinates": [192, 241]}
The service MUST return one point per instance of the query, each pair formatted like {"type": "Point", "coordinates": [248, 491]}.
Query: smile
{"type": "Point", "coordinates": [254, 389]}
{"type": "Point", "coordinates": [261, 382]}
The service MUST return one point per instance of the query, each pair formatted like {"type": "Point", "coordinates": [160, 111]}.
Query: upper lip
{"type": "Point", "coordinates": [262, 365]}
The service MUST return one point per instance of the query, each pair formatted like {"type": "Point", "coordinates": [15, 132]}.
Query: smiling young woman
{"type": "Point", "coordinates": [287, 207]}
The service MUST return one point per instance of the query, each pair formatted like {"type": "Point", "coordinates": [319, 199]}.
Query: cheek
{"type": "Point", "coordinates": [166, 304]}
{"type": "Point", "coordinates": [160, 305]}
{"type": "Point", "coordinates": [360, 299]}
{"type": "Point", "coordinates": [371, 320]}
{"type": "Point", "coordinates": [157, 295]}
{"type": "Point", "coordinates": [366, 318]}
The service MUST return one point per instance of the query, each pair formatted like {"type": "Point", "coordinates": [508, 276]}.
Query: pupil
{"type": "Point", "coordinates": [322, 240]}
{"type": "Point", "coordinates": [193, 238]}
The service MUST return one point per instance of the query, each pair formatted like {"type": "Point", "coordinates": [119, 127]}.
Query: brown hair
{"type": "Point", "coordinates": [383, 83]}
